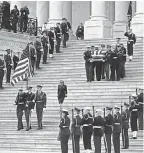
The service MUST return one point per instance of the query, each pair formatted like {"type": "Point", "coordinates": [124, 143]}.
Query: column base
{"type": "Point", "coordinates": [137, 25]}
{"type": "Point", "coordinates": [97, 28]}
{"type": "Point", "coordinates": [119, 28]}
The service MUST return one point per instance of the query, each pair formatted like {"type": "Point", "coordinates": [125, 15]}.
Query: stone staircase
{"type": "Point", "coordinates": [69, 66]}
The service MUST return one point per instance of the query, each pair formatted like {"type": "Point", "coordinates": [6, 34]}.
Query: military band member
{"type": "Point", "coordinates": [15, 60]}
{"type": "Point", "coordinates": [2, 66]}
{"type": "Point", "coordinates": [125, 126]}
{"type": "Point", "coordinates": [108, 129]}
{"type": "Point", "coordinates": [88, 64]}
{"type": "Point", "coordinates": [64, 131]}
{"type": "Point", "coordinates": [134, 116]}
{"type": "Point", "coordinates": [131, 40]}
{"type": "Point", "coordinates": [39, 50]}
{"type": "Point", "coordinates": [87, 122]}
{"type": "Point", "coordinates": [98, 130]}
{"type": "Point", "coordinates": [116, 129]}
{"type": "Point", "coordinates": [29, 105]}
{"type": "Point", "coordinates": [8, 62]}
{"type": "Point", "coordinates": [45, 43]}
{"type": "Point", "coordinates": [58, 37]}
{"type": "Point", "coordinates": [20, 102]}
{"type": "Point", "coordinates": [40, 100]}
{"type": "Point", "coordinates": [76, 130]}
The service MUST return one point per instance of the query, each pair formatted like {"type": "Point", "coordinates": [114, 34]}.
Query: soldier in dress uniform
{"type": "Point", "coordinates": [15, 16]}
{"type": "Point", "coordinates": [51, 41]}
{"type": "Point", "coordinates": [134, 116]}
{"type": "Point", "coordinates": [87, 122]}
{"type": "Point", "coordinates": [2, 66]}
{"type": "Point", "coordinates": [45, 43]}
{"type": "Point", "coordinates": [15, 60]}
{"type": "Point", "coordinates": [125, 126]}
{"type": "Point", "coordinates": [40, 100]}
{"type": "Point", "coordinates": [20, 102]}
{"type": "Point", "coordinates": [103, 52]}
{"type": "Point", "coordinates": [131, 40]}
{"type": "Point", "coordinates": [64, 131]}
{"type": "Point", "coordinates": [116, 129]}
{"type": "Point", "coordinates": [123, 60]}
{"type": "Point", "coordinates": [39, 50]}
{"type": "Point", "coordinates": [108, 129]}
{"type": "Point", "coordinates": [98, 130]}
{"type": "Point", "coordinates": [8, 62]}
{"type": "Point", "coordinates": [88, 64]}
{"type": "Point", "coordinates": [76, 130]}
{"type": "Point", "coordinates": [58, 37]}
{"type": "Point", "coordinates": [29, 105]}
{"type": "Point", "coordinates": [92, 64]}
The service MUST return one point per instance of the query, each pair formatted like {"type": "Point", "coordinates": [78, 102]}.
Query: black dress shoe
{"type": "Point", "coordinates": [123, 148]}
{"type": "Point", "coordinates": [19, 129]}
{"type": "Point", "coordinates": [134, 137]}
{"type": "Point", "coordinates": [39, 128]}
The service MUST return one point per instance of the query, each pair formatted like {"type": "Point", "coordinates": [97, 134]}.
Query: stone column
{"type": "Point", "coordinates": [42, 11]}
{"type": "Point", "coordinates": [137, 24]}
{"type": "Point", "coordinates": [98, 26]}
{"type": "Point", "coordinates": [67, 10]}
{"type": "Point", "coordinates": [121, 20]}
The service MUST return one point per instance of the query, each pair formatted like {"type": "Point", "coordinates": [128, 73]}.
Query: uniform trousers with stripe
{"type": "Point", "coordinates": [125, 138]}
{"type": "Point", "coordinates": [97, 144]}
{"type": "Point", "coordinates": [64, 143]}
{"type": "Point", "coordinates": [76, 143]}
{"type": "Point", "coordinates": [130, 48]}
{"type": "Point", "coordinates": [39, 112]}
{"type": "Point", "coordinates": [20, 109]}
{"type": "Point", "coordinates": [107, 141]}
{"type": "Point", "coordinates": [28, 117]}
{"type": "Point", "coordinates": [116, 142]}
{"type": "Point", "coordinates": [87, 140]}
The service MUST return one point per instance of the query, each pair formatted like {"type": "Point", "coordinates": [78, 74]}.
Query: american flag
{"type": "Point", "coordinates": [23, 69]}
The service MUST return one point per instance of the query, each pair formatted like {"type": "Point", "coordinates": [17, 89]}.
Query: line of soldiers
{"type": "Point", "coordinates": [104, 60]}
{"type": "Point", "coordinates": [26, 102]}
{"type": "Point", "coordinates": [106, 126]}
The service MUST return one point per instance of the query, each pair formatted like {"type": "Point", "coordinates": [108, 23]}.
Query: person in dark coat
{"type": "Point", "coordinates": [24, 19]}
{"type": "Point", "coordinates": [51, 41]}
{"type": "Point", "coordinates": [14, 16]}
{"type": "Point", "coordinates": [64, 131]}
{"type": "Point", "coordinates": [20, 102]}
{"type": "Point", "coordinates": [125, 126]}
{"type": "Point", "coordinates": [40, 100]}
{"type": "Point", "coordinates": [108, 129]}
{"type": "Point", "coordinates": [29, 105]}
{"type": "Point", "coordinates": [116, 130]}
{"type": "Point", "coordinates": [131, 40]}
{"type": "Point", "coordinates": [15, 60]}
{"type": "Point", "coordinates": [80, 31]}
{"type": "Point", "coordinates": [76, 130]}
{"type": "Point", "coordinates": [134, 116]}
{"type": "Point", "coordinates": [87, 123]}
{"type": "Point", "coordinates": [98, 124]}
{"type": "Point", "coordinates": [58, 37]}
{"type": "Point", "coordinates": [8, 62]}
{"type": "Point", "coordinates": [123, 60]}
{"type": "Point", "coordinates": [2, 66]}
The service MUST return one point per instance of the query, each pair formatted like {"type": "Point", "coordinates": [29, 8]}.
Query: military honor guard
{"type": "Point", "coordinates": [64, 131]}
{"type": "Point", "coordinates": [20, 102]}
{"type": "Point", "coordinates": [98, 124]}
{"type": "Point", "coordinates": [76, 130]}
{"type": "Point", "coordinates": [125, 126]}
{"type": "Point", "coordinates": [8, 62]}
{"type": "Point", "coordinates": [87, 123]}
{"type": "Point", "coordinates": [92, 64]}
{"type": "Point", "coordinates": [58, 37]}
{"type": "Point", "coordinates": [116, 129]}
{"type": "Point", "coordinates": [29, 105]}
{"type": "Point", "coordinates": [108, 129]}
{"type": "Point", "coordinates": [2, 67]}
{"type": "Point", "coordinates": [45, 43]}
{"type": "Point", "coordinates": [134, 116]}
{"type": "Point", "coordinates": [131, 40]}
{"type": "Point", "coordinates": [80, 32]}
{"type": "Point", "coordinates": [40, 100]}
{"type": "Point", "coordinates": [39, 50]}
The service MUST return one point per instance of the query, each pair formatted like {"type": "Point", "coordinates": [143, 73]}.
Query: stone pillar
{"type": "Point", "coordinates": [67, 10]}
{"type": "Point", "coordinates": [137, 23]}
{"type": "Point", "coordinates": [121, 20]}
{"type": "Point", "coordinates": [98, 26]}
{"type": "Point", "coordinates": [42, 12]}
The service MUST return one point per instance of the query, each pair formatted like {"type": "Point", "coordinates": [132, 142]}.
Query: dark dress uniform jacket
{"type": "Point", "coordinates": [140, 102]}
{"type": "Point", "coordinates": [7, 58]}
{"type": "Point", "coordinates": [87, 56]}
{"type": "Point", "coordinates": [15, 14]}
{"type": "Point", "coordinates": [125, 119]}
{"type": "Point", "coordinates": [21, 100]}
{"type": "Point", "coordinates": [62, 91]}
{"type": "Point", "coordinates": [76, 123]}
{"type": "Point", "coordinates": [98, 121]}
{"type": "Point", "coordinates": [29, 100]}
{"type": "Point", "coordinates": [58, 33]}
{"type": "Point", "coordinates": [131, 36]}
{"type": "Point", "coordinates": [51, 36]}
{"type": "Point", "coordinates": [38, 46]}
{"type": "Point", "coordinates": [24, 13]}
{"type": "Point", "coordinates": [117, 123]}
{"type": "Point", "coordinates": [64, 28]}
{"type": "Point", "coordinates": [64, 126]}
{"type": "Point", "coordinates": [44, 41]}
{"type": "Point", "coordinates": [108, 124]}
